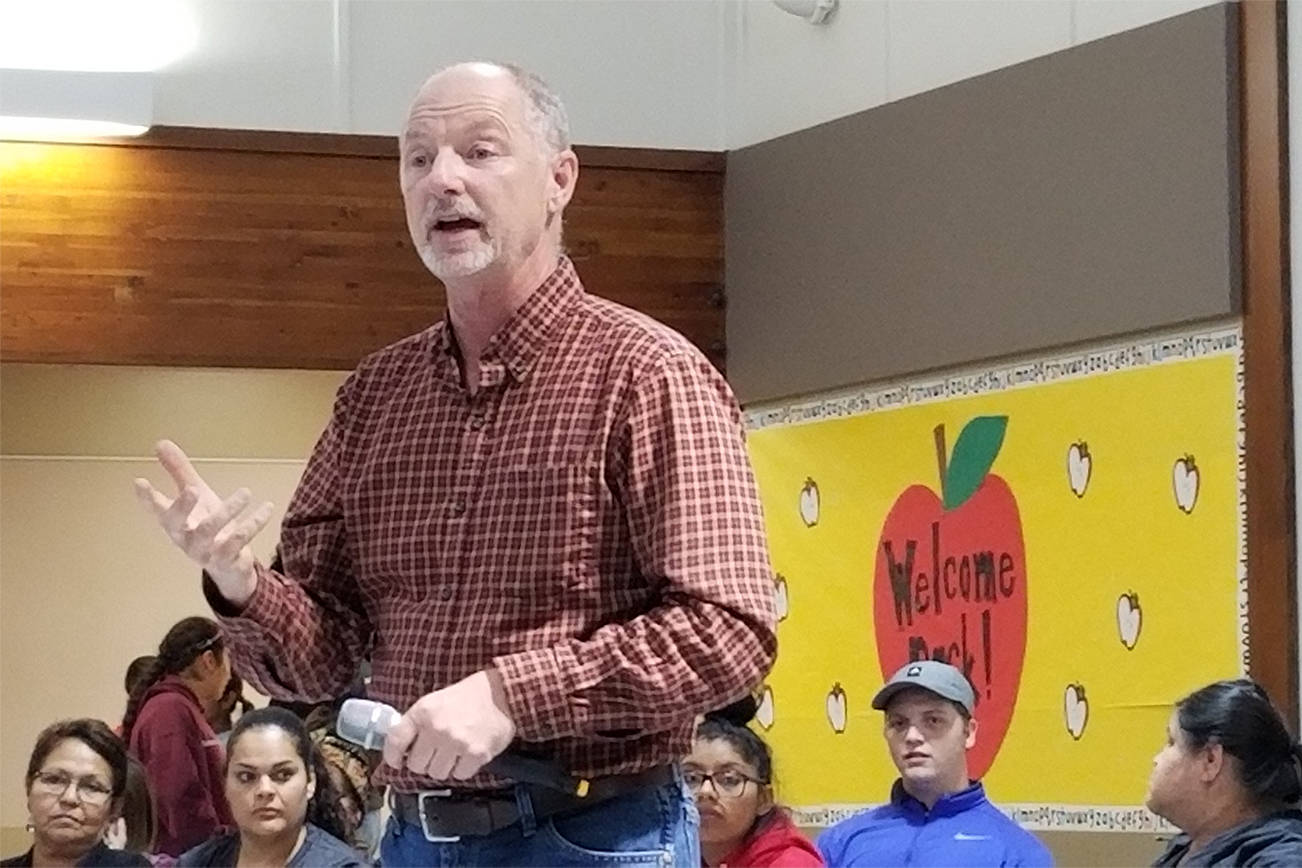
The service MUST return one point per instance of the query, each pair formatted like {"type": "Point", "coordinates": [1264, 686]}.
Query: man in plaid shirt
{"type": "Point", "coordinates": [537, 516]}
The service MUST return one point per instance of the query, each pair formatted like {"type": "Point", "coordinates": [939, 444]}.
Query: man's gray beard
{"type": "Point", "coordinates": [460, 264]}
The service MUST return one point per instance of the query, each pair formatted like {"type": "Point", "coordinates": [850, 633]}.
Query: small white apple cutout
{"type": "Point", "coordinates": [1184, 479]}
{"type": "Point", "coordinates": [781, 603]}
{"type": "Point", "coordinates": [1076, 710]}
{"type": "Point", "coordinates": [836, 707]}
{"type": "Point", "coordinates": [1130, 618]}
{"type": "Point", "coordinates": [764, 711]}
{"type": "Point", "coordinates": [1079, 467]}
{"type": "Point", "coordinates": [809, 503]}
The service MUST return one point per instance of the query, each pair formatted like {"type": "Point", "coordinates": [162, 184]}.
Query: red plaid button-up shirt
{"type": "Point", "coordinates": [586, 522]}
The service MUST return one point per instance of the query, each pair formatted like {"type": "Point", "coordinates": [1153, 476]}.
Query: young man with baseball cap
{"type": "Point", "coordinates": [936, 816]}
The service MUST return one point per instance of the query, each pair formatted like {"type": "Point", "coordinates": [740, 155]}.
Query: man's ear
{"type": "Point", "coordinates": [971, 740]}
{"type": "Point", "coordinates": [561, 180]}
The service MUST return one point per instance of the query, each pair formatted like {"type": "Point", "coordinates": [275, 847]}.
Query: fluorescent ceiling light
{"type": "Point", "coordinates": [43, 103]}
{"type": "Point", "coordinates": [54, 129]}
{"type": "Point", "coordinates": [95, 35]}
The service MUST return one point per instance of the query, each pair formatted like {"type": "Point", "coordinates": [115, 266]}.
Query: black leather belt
{"type": "Point", "coordinates": [451, 814]}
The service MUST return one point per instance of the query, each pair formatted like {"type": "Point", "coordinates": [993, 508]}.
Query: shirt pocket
{"type": "Point", "coordinates": [534, 531]}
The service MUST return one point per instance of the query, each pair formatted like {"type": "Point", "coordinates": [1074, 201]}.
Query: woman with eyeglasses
{"type": "Point", "coordinates": [286, 810]}
{"type": "Point", "coordinates": [75, 782]}
{"type": "Point", "coordinates": [730, 772]}
{"type": "Point", "coordinates": [167, 729]}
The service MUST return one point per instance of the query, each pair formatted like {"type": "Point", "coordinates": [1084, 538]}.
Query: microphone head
{"type": "Point", "coordinates": [365, 722]}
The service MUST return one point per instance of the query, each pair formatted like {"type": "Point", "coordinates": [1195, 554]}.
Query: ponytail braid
{"type": "Point", "coordinates": [182, 645]}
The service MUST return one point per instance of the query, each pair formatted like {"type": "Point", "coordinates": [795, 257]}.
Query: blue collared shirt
{"type": "Point", "coordinates": [961, 829]}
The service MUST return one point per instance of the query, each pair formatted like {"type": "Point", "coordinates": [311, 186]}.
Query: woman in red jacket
{"type": "Point", "coordinates": [730, 771]}
{"type": "Point", "coordinates": [167, 730]}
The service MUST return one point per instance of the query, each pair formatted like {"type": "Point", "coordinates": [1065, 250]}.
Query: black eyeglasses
{"type": "Point", "coordinates": [727, 783]}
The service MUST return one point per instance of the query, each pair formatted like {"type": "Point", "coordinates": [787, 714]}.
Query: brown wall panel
{"type": "Point", "coordinates": [248, 249]}
{"type": "Point", "coordinates": [1268, 410]}
{"type": "Point", "coordinates": [1080, 195]}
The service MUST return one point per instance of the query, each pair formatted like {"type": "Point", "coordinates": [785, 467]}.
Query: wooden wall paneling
{"type": "Point", "coordinates": [251, 249]}
{"type": "Point", "coordinates": [1271, 544]}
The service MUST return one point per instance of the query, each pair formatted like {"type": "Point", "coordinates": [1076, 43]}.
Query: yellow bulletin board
{"type": "Point", "coordinates": [1082, 560]}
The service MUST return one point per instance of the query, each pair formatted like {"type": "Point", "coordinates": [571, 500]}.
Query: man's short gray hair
{"type": "Point", "coordinates": [545, 110]}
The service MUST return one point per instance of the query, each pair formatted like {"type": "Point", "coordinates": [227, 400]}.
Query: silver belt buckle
{"type": "Point", "coordinates": [424, 821]}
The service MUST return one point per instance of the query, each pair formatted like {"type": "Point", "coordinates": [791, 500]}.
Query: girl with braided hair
{"type": "Point", "coordinates": [167, 729]}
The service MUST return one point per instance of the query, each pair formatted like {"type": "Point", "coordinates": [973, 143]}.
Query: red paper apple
{"type": "Point", "coordinates": [950, 580]}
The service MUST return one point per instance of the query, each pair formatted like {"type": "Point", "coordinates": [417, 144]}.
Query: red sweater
{"type": "Point", "coordinates": [185, 764]}
{"type": "Point", "coordinates": [777, 843]}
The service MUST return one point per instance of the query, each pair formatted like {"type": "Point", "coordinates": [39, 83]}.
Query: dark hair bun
{"type": "Point", "coordinates": [738, 713]}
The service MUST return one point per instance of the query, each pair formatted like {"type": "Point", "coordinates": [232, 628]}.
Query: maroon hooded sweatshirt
{"type": "Point", "coordinates": [185, 765]}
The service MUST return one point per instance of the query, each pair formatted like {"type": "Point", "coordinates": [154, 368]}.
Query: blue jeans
{"type": "Point", "coordinates": [656, 826]}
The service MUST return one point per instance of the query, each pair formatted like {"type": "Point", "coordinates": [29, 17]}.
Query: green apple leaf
{"type": "Point", "coordinates": [974, 453]}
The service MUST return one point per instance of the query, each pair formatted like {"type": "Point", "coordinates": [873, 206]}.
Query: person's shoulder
{"type": "Point", "coordinates": [1028, 850]}
{"type": "Point", "coordinates": [214, 851]}
{"type": "Point", "coordinates": [795, 855]}
{"type": "Point", "coordinates": [397, 359]}
{"type": "Point", "coordinates": [166, 712]}
{"type": "Point", "coordinates": [322, 850]}
{"type": "Point", "coordinates": [1276, 841]}
{"type": "Point", "coordinates": [625, 331]}
{"type": "Point", "coordinates": [867, 817]}
{"type": "Point", "coordinates": [18, 861]}
{"type": "Point", "coordinates": [838, 835]}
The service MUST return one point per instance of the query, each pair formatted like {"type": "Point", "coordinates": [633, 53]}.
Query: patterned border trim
{"type": "Point", "coordinates": [1047, 817]}
{"type": "Point", "coordinates": [1241, 482]}
{"type": "Point", "coordinates": [1217, 341]}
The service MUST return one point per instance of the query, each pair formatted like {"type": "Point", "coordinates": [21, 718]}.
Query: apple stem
{"type": "Point", "coordinates": [941, 456]}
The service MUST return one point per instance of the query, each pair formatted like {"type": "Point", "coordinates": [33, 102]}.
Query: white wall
{"type": "Point", "coordinates": [87, 580]}
{"type": "Point", "coordinates": [634, 72]}
{"type": "Point", "coordinates": [786, 75]}
{"type": "Point", "coordinates": [696, 74]}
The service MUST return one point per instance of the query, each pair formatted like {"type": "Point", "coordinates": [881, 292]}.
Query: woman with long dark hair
{"type": "Point", "coordinates": [136, 827]}
{"type": "Point", "coordinates": [286, 811]}
{"type": "Point", "coordinates": [730, 772]}
{"type": "Point", "coordinates": [1229, 777]}
{"type": "Point", "coordinates": [167, 729]}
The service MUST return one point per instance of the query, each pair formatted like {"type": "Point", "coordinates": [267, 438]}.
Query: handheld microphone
{"type": "Point", "coordinates": [366, 722]}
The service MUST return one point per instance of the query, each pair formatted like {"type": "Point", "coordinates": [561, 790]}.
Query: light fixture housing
{"type": "Point", "coordinates": [44, 104]}
{"type": "Point", "coordinates": [813, 11]}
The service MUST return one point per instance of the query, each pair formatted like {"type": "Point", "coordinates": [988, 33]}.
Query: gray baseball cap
{"type": "Point", "coordinates": [941, 679]}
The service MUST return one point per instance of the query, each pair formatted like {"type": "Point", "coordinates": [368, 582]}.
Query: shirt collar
{"type": "Point", "coordinates": [518, 343]}
{"type": "Point", "coordinates": [947, 806]}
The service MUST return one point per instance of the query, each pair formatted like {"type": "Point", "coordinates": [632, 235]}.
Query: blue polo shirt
{"type": "Point", "coordinates": [962, 830]}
